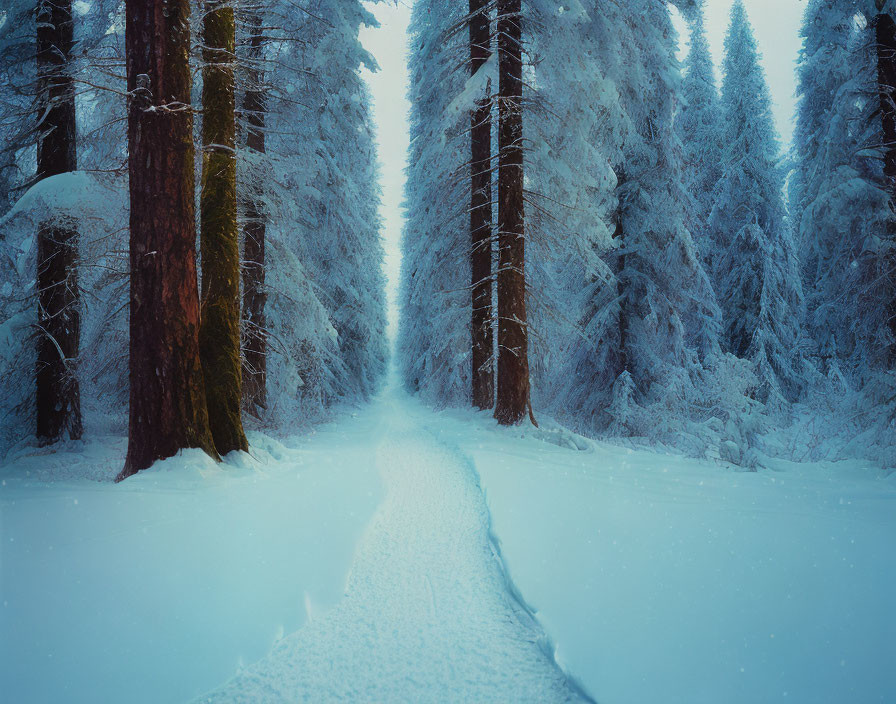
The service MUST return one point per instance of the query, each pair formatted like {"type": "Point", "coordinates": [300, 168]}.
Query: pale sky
{"type": "Point", "coordinates": [776, 23]}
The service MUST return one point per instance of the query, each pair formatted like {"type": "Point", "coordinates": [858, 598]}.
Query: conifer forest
{"type": "Point", "coordinates": [448, 351]}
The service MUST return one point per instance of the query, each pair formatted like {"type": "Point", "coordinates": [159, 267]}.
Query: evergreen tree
{"type": "Point", "coordinates": [59, 314]}
{"type": "Point", "coordinates": [434, 336]}
{"type": "Point", "coordinates": [754, 265]}
{"type": "Point", "coordinates": [168, 404]}
{"type": "Point", "coordinates": [830, 195]}
{"type": "Point", "coordinates": [699, 128]}
{"type": "Point", "coordinates": [219, 331]}
{"type": "Point", "coordinates": [254, 321]}
{"type": "Point", "coordinates": [512, 399]}
{"type": "Point", "coordinates": [482, 356]}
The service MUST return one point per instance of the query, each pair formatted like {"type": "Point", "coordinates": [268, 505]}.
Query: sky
{"type": "Point", "coordinates": [776, 24]}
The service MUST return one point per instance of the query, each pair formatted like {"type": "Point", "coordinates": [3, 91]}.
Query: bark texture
{"type": "Point", "coordinates": [885, 31]}
{"type": "Point", "coordinates": [168, 405]}
{"type": "Point", "coordinates": [481, 215]}
{"type": "Point", "coordinates": [219, 332]}
{"type": "Point", "coordinates": [58, 397]}
{"type": "Point", "coordinates": [255, 339]}
{"type": "Point", "coordinates": [513, 355]}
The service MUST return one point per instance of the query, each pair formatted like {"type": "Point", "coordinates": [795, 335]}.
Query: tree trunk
{"type": "Point", "coordinates": [219, 332]}
{"type": "Point", "coordinates": [513, 362]}
{"type": "Point", "coordinates": [58, 314]}
{"type": "Point", "coordinates": [255, 340]}
{"type": "Point", "coordinates": [885, 30]}
{"type": "Point", "coordinates": [481, 215]}
{"type": "Point", "coordinates": [168, 405]}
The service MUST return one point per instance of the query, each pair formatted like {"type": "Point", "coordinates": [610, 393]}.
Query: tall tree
{"type": "Point", "coordinates": [835, 206]}
{"type": "Point", "coordinates": [219, 332]}
{"type": "Point", "coordinates": [885, 43]}
{"type": "Point", "coordinates": [434, 333]}
{"type": "Point", "coordinates": [167, 394]}
{"type": "Point", "coordinates": [481, 213]}
{"type": "Point", "coordinates": [513, 343]}
{"type": "Point", "coordinates": [255, 336]}
{"type": "Point", "coordinates": [699, 127]}
{"type": "Point", "coordinates": [59, 316]}
{"type": "Point", "coordinates": [754, 264]}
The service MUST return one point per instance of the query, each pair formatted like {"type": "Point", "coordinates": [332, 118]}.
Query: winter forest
{"type": "Point", "coordinates": [447, 351]}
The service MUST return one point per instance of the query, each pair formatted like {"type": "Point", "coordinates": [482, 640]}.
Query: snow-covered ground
{"type": "Point", "coordinates": [157, 589]}
{"type": "Point", "coordinates": [361, 562]}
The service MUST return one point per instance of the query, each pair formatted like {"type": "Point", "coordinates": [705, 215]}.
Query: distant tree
{"type": "Point", "coordinates": [59, 314]}
{"type": "Point", "coordinates": [513, 334]}
{"type": "Point", "coordinates": [754, 265]}
{"type": "Point", "coordinates": [482, 282]}
{"type": "Point", "coordinates": [167, 394]}
{"type": "Point", "coordinates": [219, 331]}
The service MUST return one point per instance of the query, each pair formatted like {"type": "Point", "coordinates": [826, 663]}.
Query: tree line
{"type": "Point", "coordinates": [639, 249]}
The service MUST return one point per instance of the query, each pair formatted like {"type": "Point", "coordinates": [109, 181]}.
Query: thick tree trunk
{"type": "Point", "coordinates": [219, 333]}
{"type": "Point", "coordinates": [481, 215]}
{"type": "Point", "coordinates": [255, 339]}
{"type": "Point", "coordinates": [59, 316]}
{"type": "Point", "coordinates": [168, 406]}
{"type": "Point", "coordinates": [513, 356]}
{"type": "Point", "coordinates": [885, 30]}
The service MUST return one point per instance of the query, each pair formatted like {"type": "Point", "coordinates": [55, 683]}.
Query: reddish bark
{"type": "Point", "coordinates": [58, 394]}
{"type": "Point", "coordinates": [483, 384]}
{"type": "Point", "coordinates": [513, 356]}
{"type": "Point", "coordinates": [168, 405]}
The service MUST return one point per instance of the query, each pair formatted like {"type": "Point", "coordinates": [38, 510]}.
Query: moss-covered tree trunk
{"type": "Point", "coordinates": [168, 405]}
{"type": "Point", "coordinates": [58, 397]}
{"type": "Point", "coordinates": [255, 339]}
{"type": "Point", "coordinates": [219, 334]}
{"type": "Point", "coordinates": [885, 31]}
{"type": "Point", "coordinates": [513, 343]}
{"type": "Point", "coordinates": [481, 215]}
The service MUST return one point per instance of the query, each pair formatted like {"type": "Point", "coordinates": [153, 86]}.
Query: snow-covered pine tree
{"type": "Point", "coordinates": [481, 220]}
{"type": "Point", "coordinates": [59, 307]}
{"type": "Point", "coordinates": [836, 198]}
{"type": "Point", "coordinates": [699, 127]}
{"type": "Point", "coordinates": [754, 266]}
{"type": "Point", "coordinates": [665, 304]}
{"type": "Point", "coordinates": [434, 336]}
{"type": "Point", "coordinates": [315, 185]}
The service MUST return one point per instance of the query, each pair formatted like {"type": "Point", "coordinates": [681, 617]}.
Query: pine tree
{"type": "Point", "coordinates": [830, 197]}
{"type": "Point", "coordinates": [754, 265]}
{"type": "Point", "coordinates": [59, 315]}
{"type": "Point", "coordinates": [254, 323]}
{"type": "Point", "coordinates": [884, 24]}
{"type": "Point", "coordinates": [513, 343]}
{"type": "Point", "coordinates": [700, 130]}
{"type": "Point", "coordinates": [434, 333]}
{"type": "Point", "coordinates": [219, 331]}
{"type": "Point", "coordinates": [481, 214]}
{"type": "Point", "coordinates": [167, 395]}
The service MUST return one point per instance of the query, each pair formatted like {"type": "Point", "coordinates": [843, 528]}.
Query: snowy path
{"type": "Point", "coordinates": [428, 613]}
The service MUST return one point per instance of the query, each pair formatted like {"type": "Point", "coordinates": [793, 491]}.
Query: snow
{"type": "Point", "coordinates": [364, 562]}
{"type": "Point", "coordinates": [665, 579]}
{"type": "Point", "coordinates": [428, 614]}
{"type": "Point", "coordinates": [159, 588]}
